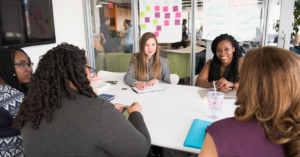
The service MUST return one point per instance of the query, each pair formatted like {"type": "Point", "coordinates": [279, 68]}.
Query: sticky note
{"type": "Point", "coordinates": [156, 34]}
{"type": "Point", "coordinates": [167, 15]}
{"type": "Point", "coordinates": [40, 17]}
{"type": "Point", "coordinates": [142, 14]}
{"type": "Point", "coordinates": [157, 14]}
{"type": "Point", "coordinates": [177, 14]}
{"type": "Point", "coordinates": [41, 22]}
{"type": "Point", "coordinates": [40, 13]}
{"type": "Point", "coordinates": [155, 21]}
{"type": "Point", "coordinates": [177, 22]}
{"type": "Point", "coordinates": [166, 23]}
{"type": "Point", "coordinates": [143, 26]}
{"type": "Point", "coordinates": [46, 21]}
{"type": "Point", "coordinates": [175, 8]}
{"type": "Point", "coordinates": [147, 19]}
{"type": "Point", "coordinates": [148, 8]}
{"type": "Point", "coordinates": [156, 8]}
{"type": "Point", "coordinates": [42, 32]}
{"type": "Point", "coordinates": [158, 28]}
{"type": "Point", "coordinates": [35, 13]}
{"type": "Point", "coordinates": [36, 22]}
{"type": "Point", "coordinates": [165, 9]}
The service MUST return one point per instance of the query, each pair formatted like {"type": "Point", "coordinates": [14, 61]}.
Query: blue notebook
{"type": "Point", "coordinates": [196, 134]}
{"type": "Point", "coordinates": [106, 97]}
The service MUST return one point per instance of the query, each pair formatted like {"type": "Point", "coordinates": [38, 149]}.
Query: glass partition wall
{"type": "Point", "coordinates": [107, 23]}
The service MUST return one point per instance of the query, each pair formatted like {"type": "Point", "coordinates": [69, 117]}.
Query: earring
{"type": "Point", "coordinates": [14, 74]}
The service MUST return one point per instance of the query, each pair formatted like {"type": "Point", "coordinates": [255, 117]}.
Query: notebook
{"type": "Point", "coordinates": [149, 89]}
{"type": "Point", "coordinates": [196, 134]}
{"type": "Point", "coordinates": [106, 97]}
{"type": "Point", "coordinates": [228, 95]}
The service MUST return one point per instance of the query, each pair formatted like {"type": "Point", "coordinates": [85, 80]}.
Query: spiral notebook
{"type": "Point", "coordinates": [149, 89]}
{"type": "Point", "coordinates": [196, 134]}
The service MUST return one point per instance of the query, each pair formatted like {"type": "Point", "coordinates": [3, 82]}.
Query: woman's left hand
{"type": "Point", "coordinates": [120, 107]}
{"type": "Point", "coordinates": [223, 82]}
{"type": "Point", "coordinates": [152, 82]}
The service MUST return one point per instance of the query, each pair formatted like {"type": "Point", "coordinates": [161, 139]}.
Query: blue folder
{"type": "Point", "coordinates": [196, 134]}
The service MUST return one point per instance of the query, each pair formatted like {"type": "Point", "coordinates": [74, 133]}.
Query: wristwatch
{"type": "Point", "coordinates": [234, 86]}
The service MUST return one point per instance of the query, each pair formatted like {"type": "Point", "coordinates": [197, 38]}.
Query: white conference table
{"type": "Point", "coordinates": [169, 114]}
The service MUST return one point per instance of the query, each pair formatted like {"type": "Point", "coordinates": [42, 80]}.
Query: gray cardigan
{"type": "Point", "coordinates": [129, 77]}
{"type": "Point", "coordinates": [90, 127]}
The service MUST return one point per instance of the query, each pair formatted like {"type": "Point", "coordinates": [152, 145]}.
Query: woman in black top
{"type": "Point", "coordinates": [223, 68]}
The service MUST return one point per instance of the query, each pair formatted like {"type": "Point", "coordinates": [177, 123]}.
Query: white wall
{"type": "Point", "coordinates": [69, 27]}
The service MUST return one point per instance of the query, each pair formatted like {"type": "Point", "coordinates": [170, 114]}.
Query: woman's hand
{"type": "Point", "coordinates": [224, 89]}
{"type": "Point", "coordinates": [103, 42]}
{"type": "Point", "coordinates": [120, 107]}
{"type": "Point", "coordinates": [134, 107]}
{"type": "Point", "coordinates": [223, 85]}
{"type": "Point", "coordinates": [152, 82]}
{"type": "Point", "coordinates": [140, 85]}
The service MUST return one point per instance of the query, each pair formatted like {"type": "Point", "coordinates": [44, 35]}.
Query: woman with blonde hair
{"type": "Point", "coordinates": [267, 119]}
{"type": "Point", "coordinates": [147, 68]}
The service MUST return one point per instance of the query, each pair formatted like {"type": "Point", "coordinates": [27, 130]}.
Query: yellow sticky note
{"type": "Point", "coordinates": [148, 8]}
{"type": "Point", "coordinates": [143, 26]}
{"type": "Point", "coordinates": [155, 21]}
{"type": "Point", "coordinates": [142, 14]}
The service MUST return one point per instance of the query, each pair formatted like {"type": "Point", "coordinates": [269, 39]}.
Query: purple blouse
{"type": "Point", "coordinates": [234, 138]}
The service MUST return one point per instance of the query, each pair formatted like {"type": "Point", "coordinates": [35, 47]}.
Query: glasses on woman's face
{"type": "Point", "coordinates": [92, 71]}
{"type": "Point", "coordinates": [24, 65]}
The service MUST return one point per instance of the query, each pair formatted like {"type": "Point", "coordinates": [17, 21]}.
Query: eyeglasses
{"type": "Point", "coordinates": [92, 71]}
{"type": "Point", "coordinates": [24, 65]}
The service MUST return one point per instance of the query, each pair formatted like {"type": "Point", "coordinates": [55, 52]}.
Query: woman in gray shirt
{"type": "Point", "coordinates": [62, 116]}
{"type": "Point", "coordinates": [126, 33]}
{"type": "Point", "coordinates": [147, 68]}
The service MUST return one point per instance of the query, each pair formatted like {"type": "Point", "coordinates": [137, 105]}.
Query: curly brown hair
{"type": "Point", "coordinates": [269, 92]}
{"type": "Point", "coordinates": [59, 66]}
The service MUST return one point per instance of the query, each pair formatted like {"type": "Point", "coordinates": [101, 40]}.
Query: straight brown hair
{"type": "Point", "coordinates": [269, 92]}
{"type": "Point", "coordinates": [155, 69]}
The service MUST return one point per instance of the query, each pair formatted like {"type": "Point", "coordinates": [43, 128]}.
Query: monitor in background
{"type": "Point", "coordinates": [26, 23]}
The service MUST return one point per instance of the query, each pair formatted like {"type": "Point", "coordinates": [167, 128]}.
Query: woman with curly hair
{"type": "Point", "coordinates": [267, 119]}
{"type": "Point", "coordinates": [223, 68]}
{"type": "Point", "coordinates": [15, 72]}
{"type": "Point", "coordinates": [62, 116]}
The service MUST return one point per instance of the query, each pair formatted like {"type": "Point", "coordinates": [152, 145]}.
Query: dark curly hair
{"type": "Point", "coordinates": [8, 72]}
{"type": "Point", "coordinates": [214, 70]}
{"type": "Point", "coordinates": [56, 68]}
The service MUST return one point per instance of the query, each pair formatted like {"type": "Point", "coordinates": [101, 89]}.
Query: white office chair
{"type": "Point", "coordinates": [195, 79]}
{"type": "Point", "coordinates": [174, 78]}
{"type": "Point", "coordinates": [110, 75]}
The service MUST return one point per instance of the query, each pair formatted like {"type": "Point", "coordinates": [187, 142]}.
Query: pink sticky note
{"type": "Point", "coordinates": [177, 14]}
{"type": "Point", "coordinates": [177, 22]}
{"type": "Point", "coordinates": [110, 5]}
{"type": "Point", "coordinates": [156, 34]}
{"type": "Point", "coordinates": [46, 21]}
{"type": "Point", "coordinates": [35, 13]}
{"type": "Point", "coordinates": [166, 23]}
{"type": "Point", "coordinates": [157, 14]}
{"type": "Point", "coordinates": [156, 8]}
{"type": "Point", "coordinates": [167, 15]}
{"type": "Point", "coordinates": [175, 8]}
{"type": "Point", "coordinates": [165, 9]}
{"type": "Point", "coordinates": [40, 13]}
{"type": "Point", "coordinates": [158, 28]}
{"type": "Point", "coordinates": [147, 19]}
{"type": "Point", "coordinates": [42, 32]}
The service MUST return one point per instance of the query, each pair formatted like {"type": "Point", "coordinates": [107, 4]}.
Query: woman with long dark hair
{"type": "Point", "coordinates": [224, 66]}
{"type": "Point", "coordinates": [15, 73]}
{"type": "Point", "coordinates": [267, 120]}
{"type": "Point", "coordinates": [126, 33]}
{"type": "Point", "coordinates": [62, 116]}
{"type": "Point", "coordinates": [147, 65]}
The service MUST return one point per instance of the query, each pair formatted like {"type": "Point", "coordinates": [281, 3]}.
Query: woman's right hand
{"type": "Point", "coordinates": [134, 107]}
{"type": "Point", "coordinates": [140, 85]}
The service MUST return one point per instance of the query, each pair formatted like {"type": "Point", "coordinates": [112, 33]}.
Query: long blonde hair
{"type": "Point", "coordinates": [155, 69]}
{"type": "Point", "coordinates": [269, 92]}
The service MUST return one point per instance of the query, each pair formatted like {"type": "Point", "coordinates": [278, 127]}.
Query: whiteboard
{"type": "Point", "coordinates": [235, 17]}
{"type": "Point", "coordinates": [163, 18]}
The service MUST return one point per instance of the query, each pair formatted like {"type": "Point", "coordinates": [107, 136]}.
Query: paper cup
{"type": "Point", "coordinates": [215, 104]}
